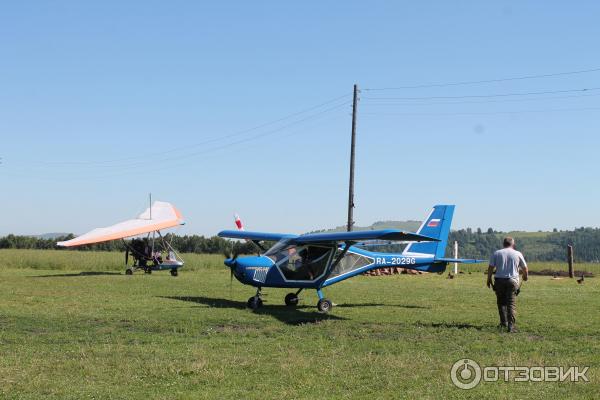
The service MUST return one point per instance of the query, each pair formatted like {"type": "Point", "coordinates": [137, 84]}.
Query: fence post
{"type": "Point", "coordinates": [570, 259]}
{"type": "Point", "coordinates": [455, 256]}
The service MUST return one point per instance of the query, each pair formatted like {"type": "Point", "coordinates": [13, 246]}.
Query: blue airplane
{"type": "Point", "coordinates": [318, 260]}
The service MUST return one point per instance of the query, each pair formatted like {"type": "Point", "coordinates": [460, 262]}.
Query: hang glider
{"type": "Point", "coordinates": [146, 252]}
{"type": "Point", "coordinates": [161, 215]}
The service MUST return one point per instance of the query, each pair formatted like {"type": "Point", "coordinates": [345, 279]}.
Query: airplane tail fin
{"type": "Point", "coordinates": [436, 225]}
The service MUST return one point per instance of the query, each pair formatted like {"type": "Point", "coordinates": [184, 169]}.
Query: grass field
{"type": "Point", "coordinates": [104, 335]}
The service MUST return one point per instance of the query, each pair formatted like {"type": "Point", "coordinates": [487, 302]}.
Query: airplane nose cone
{"type": "Point", "coordinates": [230, 262]}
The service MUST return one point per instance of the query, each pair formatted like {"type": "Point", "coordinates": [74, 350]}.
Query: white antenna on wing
{"type": "Point", "coordinates": [153, 233]}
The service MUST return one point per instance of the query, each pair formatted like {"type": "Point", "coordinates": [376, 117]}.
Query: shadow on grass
{"type": "Point", "coordinates": [85, 273]}
{"type": "Point", "coordinates": [352, 305]}
{"type": "Point", "coordinates": [283, 313]}
{"type": "Point", "coordinates": [455, 325]}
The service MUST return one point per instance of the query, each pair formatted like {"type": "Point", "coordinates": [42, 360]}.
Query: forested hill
{"type": "Point", "coordinates": [536, 246]}
{"type": "Point", "coordinates": [410, 226]}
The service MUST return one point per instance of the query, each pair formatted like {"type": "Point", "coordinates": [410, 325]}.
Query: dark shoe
{"type": "Point", "coordinates": [512, 329]}
{"type": "Point", "coordinates": [502, 327]}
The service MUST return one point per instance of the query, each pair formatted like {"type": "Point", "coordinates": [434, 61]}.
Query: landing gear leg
{"type": "Point", "coordinates": [324, 305]}
{"type": "Point", "coordinates": [255, 302]}
{"type": "Point", "coordinates": [291, 299]}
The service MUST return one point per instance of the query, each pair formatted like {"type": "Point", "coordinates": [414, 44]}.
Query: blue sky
{"type": "Point", "coordinates": [102, 103]}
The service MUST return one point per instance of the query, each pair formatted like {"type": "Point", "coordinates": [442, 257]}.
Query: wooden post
{"type": "Point", "coordinates": [570, 259]}
{"type": "Point", "coordinates": [455, 256]}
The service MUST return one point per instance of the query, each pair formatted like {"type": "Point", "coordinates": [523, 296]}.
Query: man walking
{"type": "Point", "coordinates": [507, 263]}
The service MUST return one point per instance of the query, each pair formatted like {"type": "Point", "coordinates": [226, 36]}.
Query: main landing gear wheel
{"type": "Point", "coordinates": [148, 271]}
{"type": "Point", "coordinates": [291, 300]}
{"type": "Point", "coordinates": [174, 272]}
{"type": "Point", "coordinates": [324, 305]}
{"type": "Point", "coordinates": [129, 271]}
{"type": "Point", "coordinates": [254, 302]}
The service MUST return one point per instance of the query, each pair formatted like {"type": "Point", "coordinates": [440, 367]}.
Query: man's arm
{"type": "Point", "coordinates": [523, 268]}
{"type": "Point", "coordinates": [489, 276]}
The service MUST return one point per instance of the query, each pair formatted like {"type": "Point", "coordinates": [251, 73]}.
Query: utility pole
{"type": "Point", "coordinates": [352, 145]}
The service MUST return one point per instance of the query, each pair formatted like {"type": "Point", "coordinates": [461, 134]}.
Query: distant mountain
{"type": "Point", "coordinates": [52, 235]}
{"type": "Point", "coordinates": [410, 226]}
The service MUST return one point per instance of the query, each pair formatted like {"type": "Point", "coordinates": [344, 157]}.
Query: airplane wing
{"type": "Point", "coordinates": [164, 215]}
{"type": "Point", "coordinates": [386, 234]}
{"type": "Point", "coordinates": [275, 237]}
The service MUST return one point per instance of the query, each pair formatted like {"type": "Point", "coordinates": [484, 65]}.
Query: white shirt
{"type": "Point", "coordinates": [507, 263]}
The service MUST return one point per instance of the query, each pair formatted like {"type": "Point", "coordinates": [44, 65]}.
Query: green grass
{"type": "Point", "coordinates": [64, 335]}
{"type": "Point", "coordinates": [88, 260]}
{"type": "Point", "coordinates": [594, 268]}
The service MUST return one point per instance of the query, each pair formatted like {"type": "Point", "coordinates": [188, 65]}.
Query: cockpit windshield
{"type": "Point", "coordinates": [300, 262]}
{"type": "Point", "coordinates": [277, 248]}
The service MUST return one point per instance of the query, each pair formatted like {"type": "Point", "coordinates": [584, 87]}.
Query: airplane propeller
{"type": "Point", "coordinates": [230, 281]}
{"type": "Point", "coordinates": [230, 262]}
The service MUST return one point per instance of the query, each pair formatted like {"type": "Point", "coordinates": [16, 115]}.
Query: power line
{"type": "Point", "coordinates": [198, 144]}
{"type": "Point", "coordinates": [180, 162]}
{"type": "Point", "coordinates": [430, 85]}
{"type": "Point", "coordinates": [484, 95]}
{"type": "Point", "coordinates": [260, 135]}
{"type": "Point", "coordinates": [487, 113]}
{"type": "Point", "coordinates": [157, 160]}
{"type": "Point", "coordinates": [389, 103]}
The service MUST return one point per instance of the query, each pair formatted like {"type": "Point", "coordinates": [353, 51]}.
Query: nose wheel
{"type": "Point", "coordinates": [255, 302]}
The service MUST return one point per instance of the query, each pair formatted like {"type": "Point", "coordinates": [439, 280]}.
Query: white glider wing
{"type": "Point", "coordinates": [160, 215]}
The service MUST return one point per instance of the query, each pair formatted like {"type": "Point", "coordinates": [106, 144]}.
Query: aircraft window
{"type": "Point", "coordinates": [279, 251]}
{"type": "Point", "coordinates": [303, 263]}
{"type": "Point", "coordinates": [350, 262]}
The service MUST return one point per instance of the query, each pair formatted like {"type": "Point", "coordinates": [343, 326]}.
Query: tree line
{"type": "Point", "coordinates": [182, 244]}
{"type": "Point", "coordinates": [536, 246]}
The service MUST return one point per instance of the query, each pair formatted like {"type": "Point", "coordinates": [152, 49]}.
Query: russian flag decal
{"type": "Point", "coordinates": [433, 223]}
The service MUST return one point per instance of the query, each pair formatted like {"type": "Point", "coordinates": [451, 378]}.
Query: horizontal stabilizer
{"type": "Point", "coordinates": [460, 260]}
